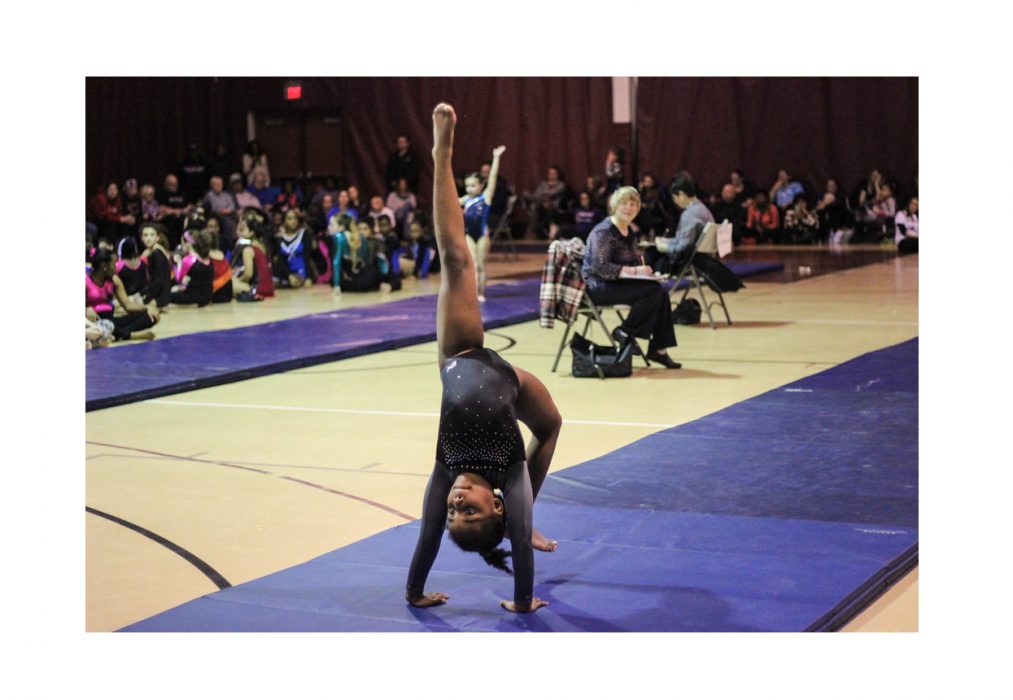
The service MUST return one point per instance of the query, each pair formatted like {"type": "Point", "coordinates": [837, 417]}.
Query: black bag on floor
{"type": "Point", "coordinates": [716, 273]}
{"type": "Point", "coordinates": [591, 360]}
{"type": "Point", "coordinates": [687, 313]}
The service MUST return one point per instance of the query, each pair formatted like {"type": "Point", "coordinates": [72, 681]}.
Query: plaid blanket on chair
{"type": "Point", "coordinates": [562, 286]}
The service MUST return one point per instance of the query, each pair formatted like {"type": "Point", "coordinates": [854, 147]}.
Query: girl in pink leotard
{"type": "Point", "coordinates": [101, 286]}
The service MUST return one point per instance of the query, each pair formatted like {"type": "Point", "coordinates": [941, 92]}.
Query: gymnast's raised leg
{"type": "Point", "coordinates": [458, 318]}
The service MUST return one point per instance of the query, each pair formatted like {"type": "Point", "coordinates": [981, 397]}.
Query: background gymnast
{"type": "Point", "coordinates": [477, 203]}
{"type": "Point", "coordinates": [483, 484]}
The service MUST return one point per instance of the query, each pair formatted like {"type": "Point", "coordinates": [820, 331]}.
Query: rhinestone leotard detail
{"type": "Point", "coordinates": [478, 425]}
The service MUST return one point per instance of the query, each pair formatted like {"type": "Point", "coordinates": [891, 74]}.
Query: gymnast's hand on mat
{"type": "Point", "coordinates": [513, 607]}
{"type": "Point", "coordinates": [426, 601]}
{"type": "Point", "coordinates": [539, 542]}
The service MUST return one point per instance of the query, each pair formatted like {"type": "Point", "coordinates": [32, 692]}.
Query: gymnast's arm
{"type": "Point", "coordinates": [490, 186]}
{"type": "Point", "coordinates": [434, 520]}
{"type": "Point", "coordinates": [518, 497]}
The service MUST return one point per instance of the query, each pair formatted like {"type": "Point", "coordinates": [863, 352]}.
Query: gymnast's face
{"type": "Point", "coordinates": [471, 502]}
{"type": "Point", "coordinates": [473, 186]}
{"type": "Point", "coordinates": [149, 236]}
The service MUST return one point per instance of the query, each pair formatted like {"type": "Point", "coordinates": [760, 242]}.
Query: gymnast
{"type": "Point", "coordinates": [477, 202]}
{"type": "Point", "coordinates": [483, 484]}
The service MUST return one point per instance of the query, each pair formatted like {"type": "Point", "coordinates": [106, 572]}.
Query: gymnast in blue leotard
{"type": "Point", "coordinates": [484, 482]}
{"type": "Point", "coordinates": [476, 203]}
{"type": "Point", "coordinates": [294, 244]}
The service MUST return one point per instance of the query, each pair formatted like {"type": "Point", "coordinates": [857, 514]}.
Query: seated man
{"type": "Point", "coordinates": [173, 208]}
{"type": "Point", "coordinates": [222, 203]}
{"type": "Point", "coordinates": [683, 191]}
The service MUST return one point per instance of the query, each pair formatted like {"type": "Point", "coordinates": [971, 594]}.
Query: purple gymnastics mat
{"type": "Point", "coordinates": [137, 372]}
{"type": "Point", "coordinates": [786, 512]}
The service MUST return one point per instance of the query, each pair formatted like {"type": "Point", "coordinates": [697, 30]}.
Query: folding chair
{"type": "Point", "coordinates": [593, 312]}
{"type": "Point", "coordinates": [707, 244]}
{"type": "Point", "coordinates": [502, 229]}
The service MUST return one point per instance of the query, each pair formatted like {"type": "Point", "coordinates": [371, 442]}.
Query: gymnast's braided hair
{"type": "Point", "coordinates": [483, 540]}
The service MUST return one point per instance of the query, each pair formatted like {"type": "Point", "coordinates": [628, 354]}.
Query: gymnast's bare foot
{"type": "Point", "coordinates": [539, 542]}
{"type": "Point", "coordinates": [427, 600]}
{"type": "Point", "coordinates": [444, 120]}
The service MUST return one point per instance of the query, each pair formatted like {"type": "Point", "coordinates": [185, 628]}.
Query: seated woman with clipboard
{"type": "Point", "coordinates": [615, 273]}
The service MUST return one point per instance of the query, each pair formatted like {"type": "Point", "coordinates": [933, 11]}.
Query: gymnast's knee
{"type": "Point", "coordinates": [456, 261]}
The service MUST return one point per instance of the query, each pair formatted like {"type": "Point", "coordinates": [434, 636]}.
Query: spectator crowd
{"type": "Point", "coordinates": [215, 231]}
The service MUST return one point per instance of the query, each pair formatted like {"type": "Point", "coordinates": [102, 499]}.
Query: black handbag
{"type": "Point", "coordinates": [687, 313]}
{"type": "Point", "coordinates": [591, 360]}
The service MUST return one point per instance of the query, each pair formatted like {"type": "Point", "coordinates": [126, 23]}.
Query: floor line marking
{"type": "Point", "coordinates": [409, 414]}
{"type": "Point", "coordinates": [179, 457]}
{"type": "Point", "coordinates": [190, 557]}
{"type": "Point", "coordinates": [328, 489]}
{"type": "Point", "coordinates": [361, 499]}
{"type": "Point", "coordinates": [276, 465]}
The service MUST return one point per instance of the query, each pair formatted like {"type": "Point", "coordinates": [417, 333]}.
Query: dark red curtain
{"type": "Point", "coordinates": [814, 127]}
{"type": "Point", "coordinates": [567, 121]}
{"type": "Point", "coordinates": [141, 127]}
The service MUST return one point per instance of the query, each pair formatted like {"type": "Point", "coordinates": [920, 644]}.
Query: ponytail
{"type": "Point", "coordinates": [497, 558]}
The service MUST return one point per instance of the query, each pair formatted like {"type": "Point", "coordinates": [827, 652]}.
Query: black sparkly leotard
{"type": "Point", "coordinates": [478, 434]}
{"type": "Point", "coordinates": [478, 426]}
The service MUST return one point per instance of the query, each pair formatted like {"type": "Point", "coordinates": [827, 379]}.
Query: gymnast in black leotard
{"type": "Point", "coordinates": [484, 482]}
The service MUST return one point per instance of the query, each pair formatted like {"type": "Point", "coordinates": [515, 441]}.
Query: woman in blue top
{"type": "Point", "coordinates": [483, 483]}
{"type": "Point", "coordinates": [476, 203]}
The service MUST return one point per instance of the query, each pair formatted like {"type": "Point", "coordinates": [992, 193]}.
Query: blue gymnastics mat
{"type": "Point", "coordinates": [786, 512]}
{"type": "Point", "coordinates": [136, 372]}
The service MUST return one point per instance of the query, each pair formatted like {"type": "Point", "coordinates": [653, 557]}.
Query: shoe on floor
{"type": "Point", "coordinates": [619, 334]}
{"type": "Point", "coordinates": [665, 359]}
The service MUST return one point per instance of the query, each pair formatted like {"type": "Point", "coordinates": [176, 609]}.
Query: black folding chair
{"type": "Point", "coordinates": [706, 243]}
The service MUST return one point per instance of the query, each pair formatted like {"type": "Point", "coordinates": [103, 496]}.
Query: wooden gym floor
{"type": "Point", "coordinates": [260, 475]}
